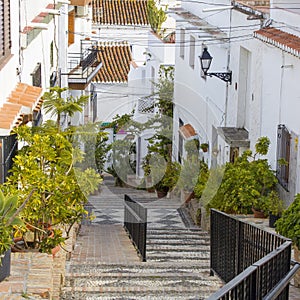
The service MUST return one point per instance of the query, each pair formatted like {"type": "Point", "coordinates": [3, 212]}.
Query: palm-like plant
{"type": "Point", "coordinates": [56, 105]}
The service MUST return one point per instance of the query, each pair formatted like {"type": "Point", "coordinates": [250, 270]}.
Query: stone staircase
{"type": "Point", "coordinates": [177, 267]}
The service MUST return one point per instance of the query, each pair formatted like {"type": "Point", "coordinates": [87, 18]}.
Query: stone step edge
{"type": "Point", "coordinates": [141, 275]}
{"type": "Point", "coordinates": [210, 285]}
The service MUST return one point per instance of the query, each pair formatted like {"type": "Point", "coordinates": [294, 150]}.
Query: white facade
{"type": "Point", "coordinates": [264, 90]}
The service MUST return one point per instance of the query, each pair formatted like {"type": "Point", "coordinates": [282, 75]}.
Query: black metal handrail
{"type": "Point", "coordinates": [135, 223]}
{"type": "Point", "coordinates": [281, 286]}
{"type": "Point", "coordinates": [254, 263]}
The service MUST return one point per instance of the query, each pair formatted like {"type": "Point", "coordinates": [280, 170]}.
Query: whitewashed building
{"type": "Point", "coordinates": [253, 46]}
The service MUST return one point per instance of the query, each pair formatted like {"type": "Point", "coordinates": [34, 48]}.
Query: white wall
{"type": "Point", "coordinates": [8, 72]}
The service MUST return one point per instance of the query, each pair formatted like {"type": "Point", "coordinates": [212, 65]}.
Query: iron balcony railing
{"type": "Point", "coordinates": [135, 223]}
{"type": "Point", "coordinates": [254, 263]}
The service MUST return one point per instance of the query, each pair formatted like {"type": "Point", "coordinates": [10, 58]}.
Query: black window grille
{"type": "Point", "coordinates": [8, 149]}
{"type": "Point", "coordinates": [283, 155]}
{"type": "Point", "coordinates": [37, 75]}
{"type": "Point", "coordinates": [180, 143]}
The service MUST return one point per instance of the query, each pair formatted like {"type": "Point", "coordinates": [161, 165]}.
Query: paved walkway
{"type": "Point", "coordinates": [106, 241]}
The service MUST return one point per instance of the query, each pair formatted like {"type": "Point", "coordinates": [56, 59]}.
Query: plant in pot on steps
{"type": "Point", "coordinates": [8, 218]}
{"type": "Point", "coordinates": [165, 176]}
{"type": "Point", "coordinates": [246, 183]}
{"type": "Point", "coordinates": [276, 207]}
{"type": "Point", "coordinates": [45, 169]}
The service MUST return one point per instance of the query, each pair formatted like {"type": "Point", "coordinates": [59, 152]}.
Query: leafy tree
{"type": "Point", "coordinates": [247, 183]}
{"type": "Point", "coordinates": [45, 169]}
{"type": "Point", "coordinates": [56, 105]}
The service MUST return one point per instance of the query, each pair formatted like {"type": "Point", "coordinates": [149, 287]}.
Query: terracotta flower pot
{"type": "Point", "coordinates": [258, 214]}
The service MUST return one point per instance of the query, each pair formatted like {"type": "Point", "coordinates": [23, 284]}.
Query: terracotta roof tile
{"type": "Point", "coordinates": [280, 39]}
{"type": "Point", "coordinates": [23, 95]}
{"type": "Point", "coordinates": [120, 12]}
{"type": "Point", "coordinates": [187, 131]}
{"type": "Point", "coordinates": [116, 59]}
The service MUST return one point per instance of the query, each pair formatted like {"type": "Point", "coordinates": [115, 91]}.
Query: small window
{"type": "Point", "coordinates": [283, 155]}
{"type": "Point", "coordinates": [37, 75]}
{"type": "Point", "coordinates": [180, 142]}
{"type": "Point", "coordinates": [182, 41]}
{"type": "Point", "coordinates": [51, 55]}
{"type": "Point", "coordinates": [192, 52]}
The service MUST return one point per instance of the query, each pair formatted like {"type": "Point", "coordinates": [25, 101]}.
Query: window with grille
{"type": "Point", "coordinates": [180, 142]}
{"type": "Point", "coordinates": [37, 76]}
{"type": "Point", "coordinates": [283, 155]}
{"type": "Point", "coordinates": [146, 105]}
{"type": "Point", "coordinates": [5, 32]}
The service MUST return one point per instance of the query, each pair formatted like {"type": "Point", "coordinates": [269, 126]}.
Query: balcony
{"type": "Point", "coordinates": [80, 2]}
{"type": "Point", "coordinates": [83, 66]}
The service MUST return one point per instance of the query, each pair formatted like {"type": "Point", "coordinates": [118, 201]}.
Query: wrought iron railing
{"type": "Point", "coordinates": [135, 223]}
{"type": "Point", "coordinates": [254, 263]}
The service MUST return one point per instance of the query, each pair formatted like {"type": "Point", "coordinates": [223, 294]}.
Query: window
{"type": "Point", "coordinates": [5, 38]}
{"type": "Point", "coordinates": [180, 142]}
{"type": "Point", "coordinates": [283, 155]}
{"type": "Point", "coordinates": [37, 76]}
{"type": "Point", "coordinates": [182, 40]}
{"type": "Point", "coordinates": [192, 52]}
{"type": "Point", "coordinates": [51, 55]}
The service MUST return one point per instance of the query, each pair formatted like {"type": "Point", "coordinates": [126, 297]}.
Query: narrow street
{"type": "Point", "coordinates": [105, 265]}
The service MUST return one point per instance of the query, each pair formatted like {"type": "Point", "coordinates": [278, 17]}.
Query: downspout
{"type": "Point", "coordinates": [228, 63]}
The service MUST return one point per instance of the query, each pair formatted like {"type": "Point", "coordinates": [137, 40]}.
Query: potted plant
{"type": "Point", "coordinates": [246, 183]}
{"type": "Point", "coordinates": [166, 178]}
{"type": "Point", "coordinates": [204, 147]}
{"type": "Point", "coordinates": [45, 169]}
{"type": "Point", "coordinates": [276, 207]}
{"type": "Point", "coordinates": [8, 218]}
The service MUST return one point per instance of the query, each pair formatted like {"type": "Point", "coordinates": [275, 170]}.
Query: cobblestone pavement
{"type": "Point", "coordinates": [106, 248]}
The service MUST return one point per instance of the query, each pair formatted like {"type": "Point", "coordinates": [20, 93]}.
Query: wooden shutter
{"type": "Point", "coordinates": [71, 27]}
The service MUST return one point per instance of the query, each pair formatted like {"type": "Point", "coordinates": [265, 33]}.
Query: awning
{"type": "Point", "coordinates": [18, 108]}
{"type": "Point", "coordinates": [235, 137]}
{"type": "Point", "coordinates": [187, 131]}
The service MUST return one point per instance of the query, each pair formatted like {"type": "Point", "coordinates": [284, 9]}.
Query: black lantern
{"type": "Point", "coordinates": [205, 61]}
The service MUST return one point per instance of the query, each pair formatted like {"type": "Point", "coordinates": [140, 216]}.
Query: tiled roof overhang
{"type": "Point", "coordinates": [187, 131]}
{"type": "Point", "coordinates": [285, 41]}
{"type": "Point", "coordinates": [18, 108]}
{"type": "Point", "coordinates": [116, 59]}
{"type": "Point", "coordinates": [120, 12]}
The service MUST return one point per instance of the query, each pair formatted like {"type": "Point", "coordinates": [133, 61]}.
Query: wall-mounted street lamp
{"type": "Point", "coordinates": [205, 61]}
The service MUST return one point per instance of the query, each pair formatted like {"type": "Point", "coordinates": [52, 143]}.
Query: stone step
{"type": "Point", "coordinates": [140, 288]}
{"type": "Point", "coordinates": [141, 280]}
{"type": "Point", "coordinates": [142, 267]}
{"type": "Point", "coordinates": [151, 247]}
{"type": "Point", "coordinates": [177, 237]}
{"type": "Point", "coordinates": [176, 241]}
{"type": "Point", "coordinates": [122, 295]}
{"type": "Point", "coordinates": [176, 255]}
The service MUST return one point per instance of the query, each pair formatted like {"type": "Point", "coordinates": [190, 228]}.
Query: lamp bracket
{"type": "Point", "coordinates": [225, 76]}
